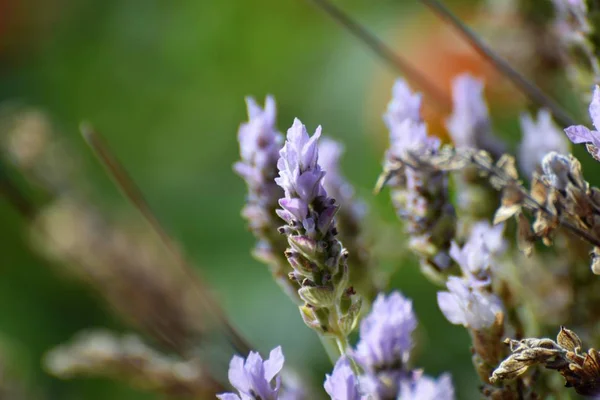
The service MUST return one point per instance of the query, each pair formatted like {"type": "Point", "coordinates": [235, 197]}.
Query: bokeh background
{"type": "Point", "coordinates": [164, 81]}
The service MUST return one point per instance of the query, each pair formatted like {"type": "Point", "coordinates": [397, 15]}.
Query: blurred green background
{"type": "Point", "coordinates": [164, 81]}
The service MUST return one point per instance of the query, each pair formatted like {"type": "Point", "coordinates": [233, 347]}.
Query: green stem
{"type": "Point", "coordinates": [331, 347]}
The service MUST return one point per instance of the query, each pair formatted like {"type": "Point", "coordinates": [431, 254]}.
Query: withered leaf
{"type": "Point", "coordinates": [569, 340]}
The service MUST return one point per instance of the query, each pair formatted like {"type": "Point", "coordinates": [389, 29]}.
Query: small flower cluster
{"type": "Point", "coordinates": [260, 143]}
{"type": "Point", "coordinates": [419, 191]}
{"type": "Point", "coordinates": [383, 353]}
{"type": "Point", "coordinates": [317, 257]}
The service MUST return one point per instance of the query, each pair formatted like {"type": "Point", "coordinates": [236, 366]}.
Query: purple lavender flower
{"type": "Point", "coordinates": [342, 384]}
{"type": "Point", "coordinates": [420, 195]}
{"type": "Point", "coordinates": [539, 138]}
{"type": "Point", "coordinates": [386, 333]}
{"type": "Point", "coordinates": [469, 125]}
{"type": "Point", "coordinates": [426, 388]}
{"type": "Point", "coordinates": [475, 258]}
{"type": "Point", "coordinates": [404, 105]}
{"type": "Point", "coordinates": [299, 174]}
{"type": "Point", "coordinates": [254, 378]}
{"type": "Point", "coordinates": [464, 305]}
{"type": "Point", "coordinates": [260, 143]}
{"type": "Point", "coordinates": [350, 219]}
{"type": "Point", "coordinates": [385, 343]}
{"type": "Point", "coordinates": [580, 134]}
{"type": "Point", "coordinates": [317, 257]}
{"type": "Point", "coordinates": [408, 132]}
{"type": "Point", "coordinates": [491, 235]}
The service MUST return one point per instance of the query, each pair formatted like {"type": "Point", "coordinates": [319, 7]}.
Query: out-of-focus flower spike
{"type": "Point", "coordinates": [383, 350]}
{"type": "Point", "coordinates": [469, 125]}
{"type": "Point", "coordinates": [540, 137]}
{"type": "Point", "coordinates": [350, 219]}
{"type": "Point", "coordinates": [101, 353]}
{"type": "Point", "coordinates": [419, 190]}
{"type": "Point", "coordinates": [260, 143]}
{"type": "Point", "coordinates": [426, 388]}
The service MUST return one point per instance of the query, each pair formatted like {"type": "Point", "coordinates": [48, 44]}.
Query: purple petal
{"type": "Point", "coordinates": [450, 308]}
{"type": "Point", "coordinates": [274, 364]}
{"type": "Point", "coordinates": [228, 396]}
{"type": "Point", "coordinates": [295, 206]}
{"type": "Point", "coordinates": [270, 110]}
{"type": "Point", "coordinates": [254, 109]}
{"type": "Point", "coordinates": [309, 152]}
{"type": "Point", "coordinates": [595, 107]}
{"type": "Point", "coordinates": [579, 134]}
{"type": "Point", "coordinates": [237, 374]}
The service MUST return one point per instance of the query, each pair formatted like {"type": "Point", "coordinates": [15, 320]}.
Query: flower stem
{"type": "Point", "coordinates": [331, 348]}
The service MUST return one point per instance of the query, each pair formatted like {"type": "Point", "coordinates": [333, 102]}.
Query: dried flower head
{"type": "Point", "coordinates": [581, 370]}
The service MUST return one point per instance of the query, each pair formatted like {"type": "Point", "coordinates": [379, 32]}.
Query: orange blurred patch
{"type": "Point", "coordinates": [440, 54]}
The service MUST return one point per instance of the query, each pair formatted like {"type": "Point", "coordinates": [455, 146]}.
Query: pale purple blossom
{"type": "Point", "coordinates": [408, 132]}
{"type": "Point", "coordinates": [385, 342]}
{"type": "Point", "coordinates": [259, 142]}
{"type": "Point", "coordinates": [254, 378]}
{"type": "Point", "coordinates": [386, 332]}
{"type": "Point", "coordinates": [404, 105]}
{"type": "Point", "coordinates": [492, 236]}
{"type": "Point", "coordinates": [581, 134]}
{"type": "Point", "coordinates": [342, 384]}
{"type": "Point", "coordinates": [467, 306]}
{"type": "Point", "coordinates": [411, 136]}
{"type": "Point", "coordinates": [427, 388]}
{"type": "Point", "coordinates": [539, 138]}
{"type": "Point", "coordinates": [476, 256]}
{"type": "Point", "coordinates": [469, 125]}
{"type": "Point", "coordinates": [330, 152]}
{"type": "Point", "coordinates": [300, 175]}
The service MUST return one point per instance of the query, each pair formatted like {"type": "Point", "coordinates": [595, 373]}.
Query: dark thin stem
{"type": "Point", "coordinates": [534, 93]}
{"type": "Point", "coordinates": [566, 224]}
{"type": "Point", "coordinates": [382, 50]}
{"type": "Point", "coordinates": [132, 192]}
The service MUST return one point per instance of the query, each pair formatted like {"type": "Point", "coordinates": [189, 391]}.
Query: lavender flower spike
{"type": "Point", "coordinates": [580, 134]}
{"type": "Point", "coordinates": [462, 305]}
{"type": "Point", "coordinates": [260, 143]}
{"type": "Point", "coordinates": [385, 343]}
{"type": "Point", "coordinates": [405, 105]}
{"type": "Point", "coordinates": [539, 138]}
{"type": "Point", "coordinates": [317, 257]}
{"type": "Point", "coordinates": [469, 125]}
{"type": "Point", "coordinates": [350, 219]}
{"type": "Point", "coordinates": [342, 384]}
{"type": "Point", "coordinates": [254, 378]}
{"type": "Point", "coordinates": [420, 195]}
{"type": "Point", "coordinates": [426, 388]}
